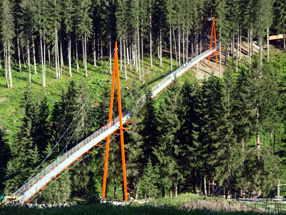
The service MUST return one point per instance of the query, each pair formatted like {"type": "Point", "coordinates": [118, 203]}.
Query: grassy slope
{"type": "Point", "coordinates": [12, 99]}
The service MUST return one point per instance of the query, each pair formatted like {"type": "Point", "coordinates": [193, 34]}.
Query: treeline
{"type": "Point", "coordinates": [64, 31]}
{"type": "Point", "coordinates": [220, 137]}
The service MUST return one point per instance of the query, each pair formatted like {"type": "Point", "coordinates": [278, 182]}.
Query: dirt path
{"type": "Point", "coordinates": [202, 71]}
{"type": "Point", "coordinates": [217, 205]}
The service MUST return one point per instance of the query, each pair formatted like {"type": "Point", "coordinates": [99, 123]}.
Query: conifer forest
{"type": "Point", "coordinates": [215, 136]}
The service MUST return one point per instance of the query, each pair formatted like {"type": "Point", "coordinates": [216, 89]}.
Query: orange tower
{"type": "Point", "coordinates": [213, 34]}
{"type": "Point", "coordinates": [115, 75]}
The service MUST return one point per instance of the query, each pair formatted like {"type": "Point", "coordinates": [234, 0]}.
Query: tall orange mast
{"type": "Point", "coordinates": [115, 75]}
{"type": "Point", "coordinates": [213, 34]}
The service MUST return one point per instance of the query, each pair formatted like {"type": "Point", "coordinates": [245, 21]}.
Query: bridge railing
{"type": "Point", "coordinates": [176, 72]}
{"type": "Point", "coordinates": [66, 155]}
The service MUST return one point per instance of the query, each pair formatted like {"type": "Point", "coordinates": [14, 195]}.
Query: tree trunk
{"type": "Point", "coordinates": [240, 40]}
{"type": "Point", "coordinates": [9, 65]}
{"type": "Point", "coordinates": [29, 64]}
{"type": "Point", "coordinates": [248, 42]}
{"type": "Point", "coordinates": [1, 63]}
{"type": "Point", "coordinates": [225, 53]}
{"type": "Point", "coordinates": [49, 56]}
{"type": "Point", "coordinates": [176, 53]}
{"type": "Point", "coordinates": [125, 69]}
{"type": "Point", "coordinates": [56, 53]}
{"type": "Point", "coordinates": [209, 186]}
{"type": "Point", "coordinates": [115, 188]}
{"type": "Point", "coordinates": [85, 55]}
{"type": "Point", "coordinates": [274, 142]}
{"type": "Point", "coordinates": [171, 47]}
{"type": "Point", "coordinates": [260, 51]}
{"type": "Point", "coordinates": [176, 189]}
{"type": "Point", "coordinates": [284, 44]}
{"type": "Point", "coordinates": [257, 135]}
{"type": "Point", "coordinates": [19, 55]}
{"type": "Point", "coordinates": [195, 182]}
{"type": "Point", "coordinates": [187, 46]}
{"type": "Point", "coordinates": [110, 69]}
{"type": "Point", "coordinates": [161, 52]}
{"type": "Point", "coordinates": [150, 36]}
{"type": "Point", "coordinates": [171, 192]}
{"type": "Point", "coordinates": [237, 52]}
{"type": "Point", "coordinates": [42, 60]}
{"type": "Point", "coordinates": [34, 55]}
{"type": "Point", "coordinates": [127, 55]}
{"type": "Point", "coordinates": [197, 47]}
{"type": "Point", "coordinates": [101, 52]}
{"type": "Point", "coordinates": [44, 75]}
{"type": "Point", "coordinates": [6, 67]}
{"type": "Point", "coordinates": [76, 55]}
{"type": "Point", "coordinates": [179, 44]}
{"type": "Point", "coordinates": [205, 185]}
{"type": "Point", "coordinates": [69, 54]}
{"type": "Point", "coordinates": [271, 138]}
{"type": "Point", "coordinates": [267, 44]}
{"type": "Point", "coordinates": [136, 191]}
{"type": "Point", "coordinates": [94, 50]}
{"type": "Point", "coordinates": [120, 53]}
{"type": "Point", "coordinates": [142, 49]}
{"type": "Point", "coordinates": [183, 42]}
{"type": "Point", "coordinates": [232, 50]}
{"type": "Point", "coordinates": [138, 43]}
{"type": "Point", "coordinates": [62, 56]}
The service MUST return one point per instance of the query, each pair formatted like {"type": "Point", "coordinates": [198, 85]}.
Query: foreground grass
{"type": "Point", "coordinates": [105, 209]}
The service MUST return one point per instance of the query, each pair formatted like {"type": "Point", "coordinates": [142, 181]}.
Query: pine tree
{"type": "Point", "coordinates": [84, 27]}
{"type": "Point", "coordinates": [223, 26]}
{"type": "Point", "coordinates": [68, 19]}
{"type": "Point", "coordinates": [41, 129]}
{"type": "Point", "coordinates": [148, 181]}
{"type": "Point", "coordinates": [4, 158]}
{"type": "Point", "coordinates": [7, 33]}
{"type": "Point", "coordinates": [26, 29]}
{"type": "Point", "coordinates": [64, 113]}
{"type": "Point", "coordinates": [229, 154]}
{"type": "Point", "coordinates": [280, 18]}
{"type": "Point", "coordinates": [149, 130]}
{"type": "Point", "coordinates": [167, 149]}
{"type": "Point", "coordinates": [210, 112]}
{"type": "Point", "coordinates": [19, 167]}
{"type": "Point", "coordinates": [188, 134]}
{"type": "Point", "coordinates": [264, 21]}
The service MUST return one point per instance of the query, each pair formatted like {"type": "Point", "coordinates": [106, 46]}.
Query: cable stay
{"type": "Point", "coordinates": [83, 149]}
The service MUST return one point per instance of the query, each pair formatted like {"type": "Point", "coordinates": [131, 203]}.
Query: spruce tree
{"type": "Point", "coordinates": [7, 35]}
{"type": "Point", "coordinates": [84, 27]}
{"type": "Point", "coordinates": [5, 156]}
{"type": "Point", "coordinates": [41, 129]}
{"type": "Point", "coordinates": [188, 134]}
{"type": "Point", "coordinates": [149, 130]}
{"type": "Point", "coordinates": [167, 149]}
{"type": "Point", "coordinates": [210, 113]}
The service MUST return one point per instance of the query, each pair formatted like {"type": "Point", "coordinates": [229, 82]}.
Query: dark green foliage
{"type": "Point", "coordinates": [4, 158]}
{"type": "Point", "coordinates": [188, 134]}
{"type": "Point", "coordinates": [166, 150]}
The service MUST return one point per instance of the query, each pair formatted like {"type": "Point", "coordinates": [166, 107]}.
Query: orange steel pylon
{"type": "Point", "coordinates": [115, 75]}
{"type": "Point", "coordinates": [213, 34]}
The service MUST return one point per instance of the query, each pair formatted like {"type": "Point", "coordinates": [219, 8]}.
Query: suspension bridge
{"type": "Point", "coordinates": [65, 161]}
